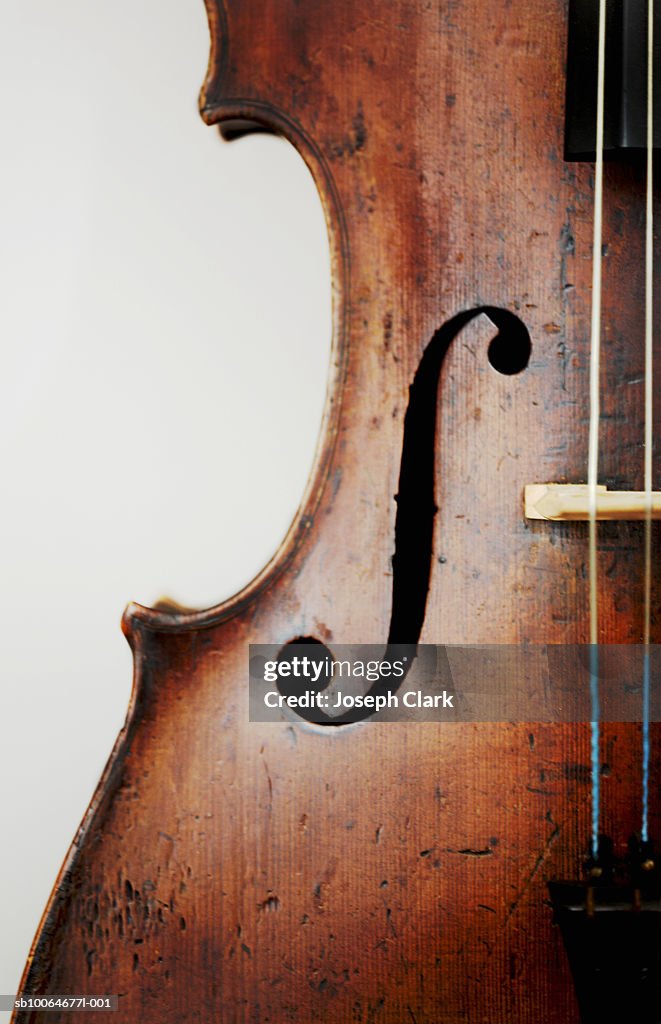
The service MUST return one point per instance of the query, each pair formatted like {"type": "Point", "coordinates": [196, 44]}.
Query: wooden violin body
{"type": "Point", "coordinates": [234, 871]}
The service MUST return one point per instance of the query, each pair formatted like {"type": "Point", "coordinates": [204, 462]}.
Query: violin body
{"type": "Point", "coordinates": [229, 870]}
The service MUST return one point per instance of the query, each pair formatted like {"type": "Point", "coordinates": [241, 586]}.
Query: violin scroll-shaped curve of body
{"type": "Point", "coordinates": [230, 870]}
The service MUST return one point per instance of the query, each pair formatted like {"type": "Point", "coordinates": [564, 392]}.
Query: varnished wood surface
{"type": "Point", "coordinates": [230, 871]}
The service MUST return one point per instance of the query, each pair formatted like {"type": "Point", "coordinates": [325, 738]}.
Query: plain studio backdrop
{"type": "Point", "coordinates": [166, 337]}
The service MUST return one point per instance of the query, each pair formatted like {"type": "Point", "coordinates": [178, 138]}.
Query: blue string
{"type": "Point", "coordinates": [646, 742]}
{"type": "Point", "coordinates": [594, 745]}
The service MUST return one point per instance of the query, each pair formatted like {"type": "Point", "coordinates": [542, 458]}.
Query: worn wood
{"type": "Point", "coordinates": [229, 871]}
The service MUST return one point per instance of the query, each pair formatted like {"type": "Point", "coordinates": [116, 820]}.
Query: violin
{"type": "Point", "coordinates": [485, 478]}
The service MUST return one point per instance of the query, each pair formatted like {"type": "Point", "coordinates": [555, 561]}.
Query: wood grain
{"type": "Point", "coordinates": [229, 871]}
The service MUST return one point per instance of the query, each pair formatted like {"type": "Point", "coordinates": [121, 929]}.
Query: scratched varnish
{"type": "Point", "coordinates": [229, 871]}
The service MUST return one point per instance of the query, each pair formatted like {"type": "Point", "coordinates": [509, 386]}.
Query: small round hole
{"type": "Point", "coordinates": [509, 352]}
{"type": "Point", "coordinates": [304, 647]}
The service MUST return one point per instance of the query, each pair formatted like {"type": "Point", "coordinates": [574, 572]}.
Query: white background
{"type": "Point", "coordinates": [165, 341]}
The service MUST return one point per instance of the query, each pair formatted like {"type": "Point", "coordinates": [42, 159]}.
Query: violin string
{"type": "Point", "coordinates": [593, 440]}
{"type": "Point", "coordinates": [649, 338]}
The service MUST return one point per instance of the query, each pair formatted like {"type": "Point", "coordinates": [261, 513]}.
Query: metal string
{"type": "Point", "coordinates": [593, 444]}
{"type": "Point", "coordinates": [649, 338]}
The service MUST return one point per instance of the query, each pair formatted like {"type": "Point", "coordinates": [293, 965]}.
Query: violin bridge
{"type": "Point", "coordinates": [570, 502]}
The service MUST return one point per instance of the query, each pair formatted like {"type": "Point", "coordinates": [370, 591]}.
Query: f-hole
{"type": "Point", "coordinates": [416, 503]}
